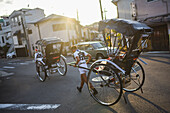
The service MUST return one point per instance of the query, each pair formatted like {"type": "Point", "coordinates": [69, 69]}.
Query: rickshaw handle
{"type": "Point", "coordinates": [73, 64]}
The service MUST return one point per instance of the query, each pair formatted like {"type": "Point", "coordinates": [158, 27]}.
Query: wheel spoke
{"type": "Point", "coordinates": [108, 92]}
{"type": "Point", "coordinates": [62, 66]}
{"type": "Point", "coordinates": [137, 77]}
{"type": "Point", "coordinates": [41, 72]}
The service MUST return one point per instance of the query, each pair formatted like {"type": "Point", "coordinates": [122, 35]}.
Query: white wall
{"type": "Point", "coordinates": [124, 9]}
{"type": "Point", "coordinates": [148, 9]}
{"type": "Point", "coordinates": [33, 37]}
{"type": "Point", "coordinates": [34, 15]}
{"type": "Point", "coordinates": [46, 30]}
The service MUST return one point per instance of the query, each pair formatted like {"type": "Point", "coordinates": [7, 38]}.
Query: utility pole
{"type": "Point", "coordinates": [105, 13]}
{"type": "Point", "coordinates": [26, 35]}
{"type": "Point", "coordinates": [77, 15]}
{"type": "Point", "coordinates": [102, 19]}
{"type": "Point", "coordinates": [101, 9]}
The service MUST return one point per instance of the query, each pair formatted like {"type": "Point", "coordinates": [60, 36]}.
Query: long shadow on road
{"type": "Point", "coordinates": [157, 108]}
{"type": "Point", "coordinates": [161, 61]}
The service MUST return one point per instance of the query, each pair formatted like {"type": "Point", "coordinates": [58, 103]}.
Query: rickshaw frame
{"type": "Point", "coordinates": [48, 60]}
{"type": "Point", "coordinates": [122, 68]}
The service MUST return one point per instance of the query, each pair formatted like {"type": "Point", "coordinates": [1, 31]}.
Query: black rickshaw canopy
{"type": "Point", "coordinates": [124, 26]}
{"type": "Point", "coordinates": [47, 41]}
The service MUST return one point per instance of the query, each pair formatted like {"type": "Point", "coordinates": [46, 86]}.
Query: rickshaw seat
{"type": "Point", "coordinates": [53, 58]}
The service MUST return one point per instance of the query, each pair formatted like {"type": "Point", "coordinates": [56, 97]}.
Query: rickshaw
{"type": "Point", "coordinates": [122, 70]}
{"type": "Point", "coordinates": [49, 58]}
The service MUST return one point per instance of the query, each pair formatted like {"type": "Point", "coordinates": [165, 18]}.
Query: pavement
{"type": "Point", "coordinates": [3, 72]}
{"type": "Point", "coordinates": [23, 59]}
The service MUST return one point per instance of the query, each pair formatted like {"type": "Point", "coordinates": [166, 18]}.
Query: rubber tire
{"type": "Point", "coordinates": [65, 67]}
{"type": "Point", "coordinates": [38, 73]}
{"type": "Point", "coordinates": [143, 80]}
{"type": "Point", "coordinates": [96, 99]}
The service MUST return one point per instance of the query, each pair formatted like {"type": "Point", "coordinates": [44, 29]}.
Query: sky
{"type": "Point", "coordinates": [88, 10]}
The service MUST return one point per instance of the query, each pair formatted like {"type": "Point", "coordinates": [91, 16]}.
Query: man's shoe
{"type": "Point", "coordinates": [48, 73]}
{"type": "Point", "coordinates": [79, 89]}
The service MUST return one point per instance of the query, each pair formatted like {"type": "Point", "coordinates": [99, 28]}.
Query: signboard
{"type": "Point", "coordinates": [133, 6]}
{"type": "Point", "coordinates": [15, 39]}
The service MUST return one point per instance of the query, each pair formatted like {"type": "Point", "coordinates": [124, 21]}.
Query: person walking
{"type": "Point", "coordinates": [79, 56]}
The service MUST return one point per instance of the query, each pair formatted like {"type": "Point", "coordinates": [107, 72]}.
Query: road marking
{"type": "Point", "coordinates": [9, 67]}
{"type": "Point", "coordinates": [28, 106]}
{"type": "Point", "coordinates": [4, 74]}
{"type": "Point", "coordinates": [31, 61]}
{"type": "Point", "coordinates": [23, 63]}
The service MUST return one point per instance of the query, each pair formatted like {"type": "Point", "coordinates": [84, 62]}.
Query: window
{"type": "Point", "coordinates": [88, 47]}
{"type": "Point", "coordinates": [0, 28]}
{"type": "Point", "coordinates": [19, 40]}
{"type": "Point", "coordinates": [29, 31]}
{"type": "Point", "coordinates": [3, 41]}
{"type": "Point", "coordinates": [59, 27]}
{"type": "Point", "coordinates": [16, 20]}
{"type": "Point", "coordinates": [151, 0]}
{"type": "Point", "coordinates": [6, 37]}
{"type": "Point", "coordinates": [97, 45]}
{"type": "Point", "coordinates": [19, 18]}
{"type": "Point", "coordinates": [12, 19]}
{"type": "Point", "coordinates": [7, 23]}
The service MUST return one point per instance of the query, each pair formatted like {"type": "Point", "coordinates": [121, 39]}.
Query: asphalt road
{"type": "Point", "coordinates": [59, 92]}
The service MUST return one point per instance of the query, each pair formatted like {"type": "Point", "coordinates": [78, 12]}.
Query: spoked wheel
{"type": "Point", "coordinates": [41, 71]}
{"type": "Point", "coordinates": [107, 82]}
{"type": "Point", "coordinates": [62, 66]}
{"type": "Point", "coordinates": [136, 78]}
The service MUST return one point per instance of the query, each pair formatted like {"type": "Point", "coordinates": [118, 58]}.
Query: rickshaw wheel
{"type": "Point", "coordinates": [62, 66]}
{"type": "Point", "coordinates": [107, 82]}
{"type": "Point", "coordinates": [41, 71]}
{"type": "Point", "coordinates": [136, 79]}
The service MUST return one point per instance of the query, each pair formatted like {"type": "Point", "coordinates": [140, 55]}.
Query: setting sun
{"type": "Point", "coordinates": [88, 10]}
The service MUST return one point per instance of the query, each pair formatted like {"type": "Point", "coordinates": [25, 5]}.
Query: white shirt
{"type": "Point", "coordinates": [36, 55]}
{"type": "Point", "coordinates": [81, 55]}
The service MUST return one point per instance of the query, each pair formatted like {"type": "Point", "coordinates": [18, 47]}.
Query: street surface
{"type": "Point", "coordinates": [20, 87]}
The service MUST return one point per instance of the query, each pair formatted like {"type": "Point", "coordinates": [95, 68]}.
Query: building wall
{"type": "Point", "coordinates": [33, 37]}
{"type": "Point", "coordinates": [154, 8]}
{"type": "Point", "coordinates": [34, 15]}
{"type": "Point", "coordinates": [155, 13]}
{"type": "Point", "coordinates": [124, 9]}
{"type": "Point", "coordinates": [24, 17]}
{"type": "Point", "coordinates": [4, 32]}
{"type": "Point", "coordinates": [46, 29]}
